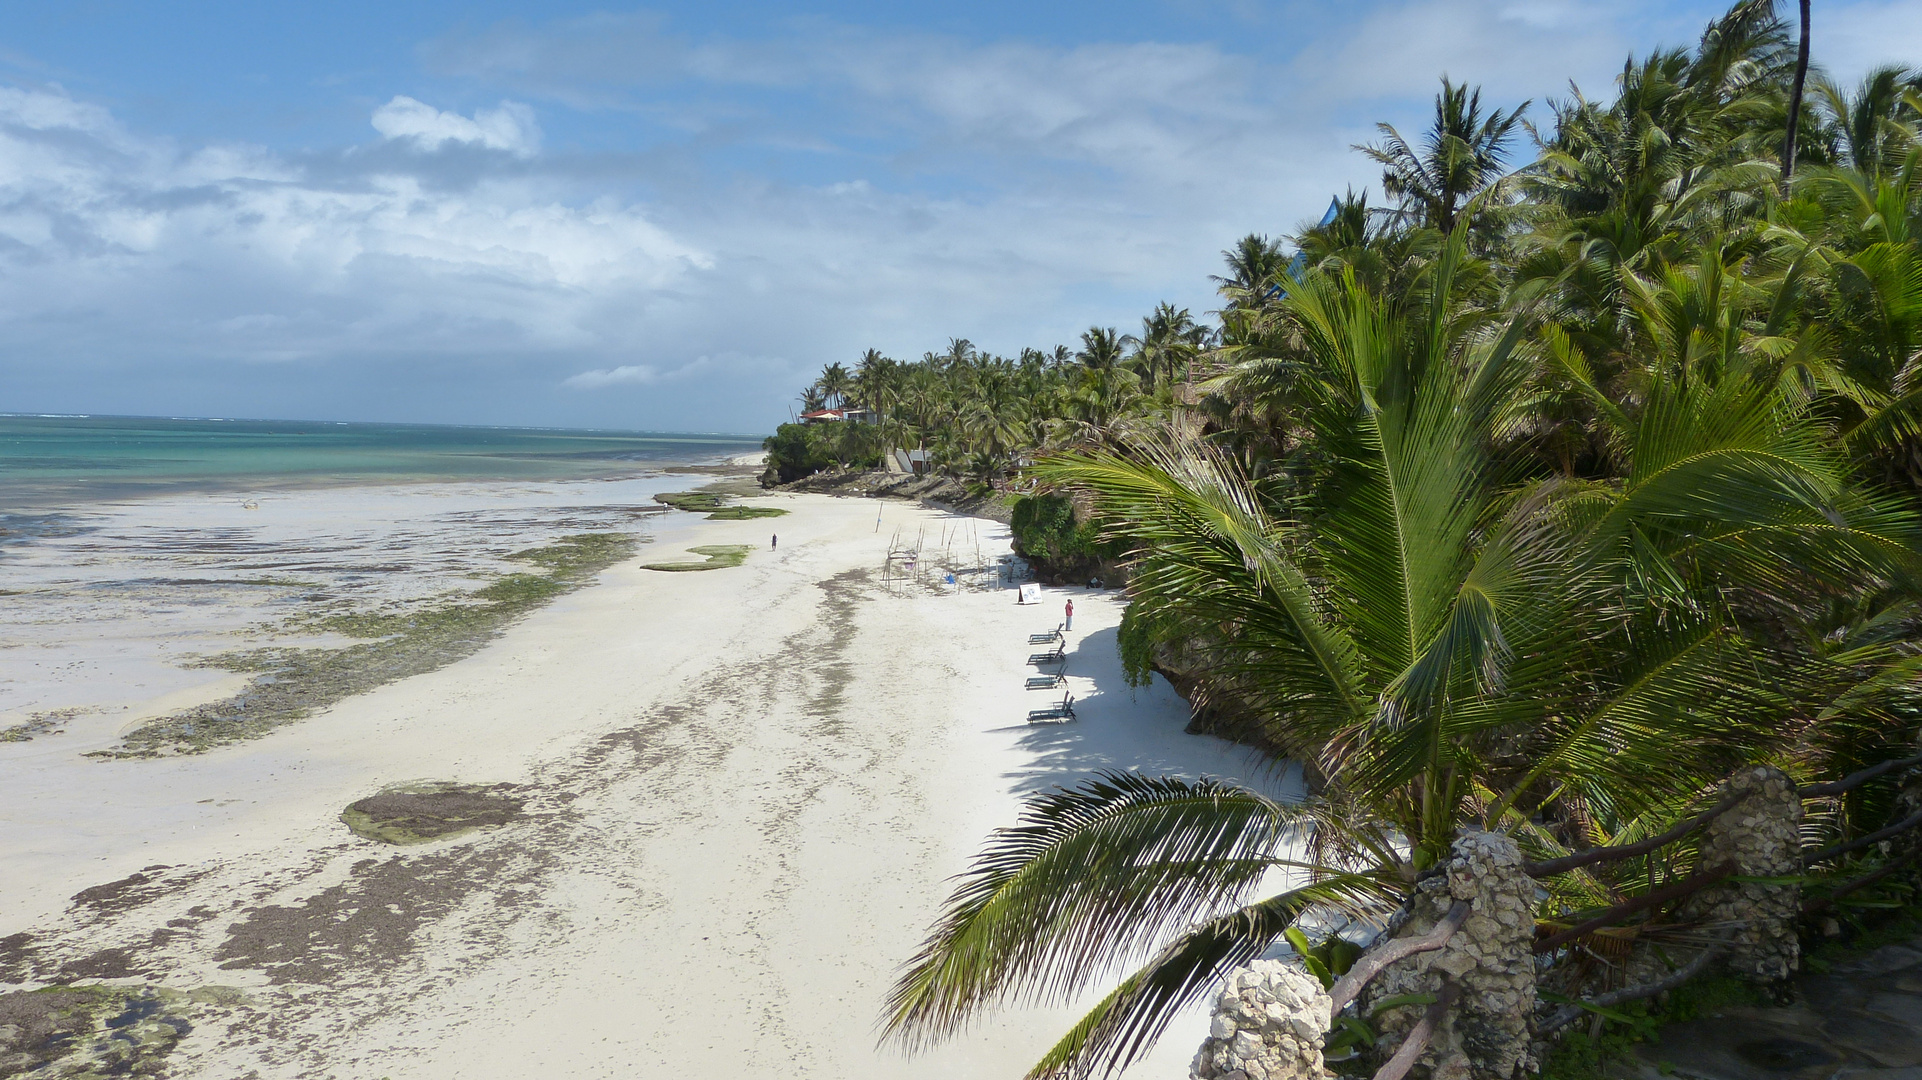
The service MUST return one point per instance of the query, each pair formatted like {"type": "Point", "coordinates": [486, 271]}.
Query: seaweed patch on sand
{"type": "Point", "coordinates": [418, 813]}
{"type": "Point", "coordinates": [84, 1032]}
{"type": "Point", "coordinates": [134, 891]}
{"type": "Point", "coordinates": [716, 505]}
{"type": "Point", "coordinates": [719, 556]}
{"type": "Point", "coordinates": [367, 929]}
{"type": "Point", "coordinates": [40, 723]}
{"type": "Point", "coordinates": [290, 684]}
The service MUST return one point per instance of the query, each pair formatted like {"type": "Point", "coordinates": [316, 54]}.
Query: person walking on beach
{"type": "Point", "coordinates": [1069, 625]}
{"type": "Point", "coordinates": [774, 544]}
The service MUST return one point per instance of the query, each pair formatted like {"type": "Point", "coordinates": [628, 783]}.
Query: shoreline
{"type": "Point", "coordinates": [166, 607]}
{"type": "Point", "coordinates": [747, 784]}
{"type": "Point", "coordinates": [49, 502]}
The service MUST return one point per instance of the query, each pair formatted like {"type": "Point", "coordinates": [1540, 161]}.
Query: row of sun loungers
{"type": "Point", "coordinates": [1063, 710]}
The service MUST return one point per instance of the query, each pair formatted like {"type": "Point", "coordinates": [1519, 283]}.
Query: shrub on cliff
{"type": "Point", "coordinates": [1046, 530]}
{"type": "Point", "coordinates": [797, 450]}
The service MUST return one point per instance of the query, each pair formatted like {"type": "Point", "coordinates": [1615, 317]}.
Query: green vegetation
{"type": "Point", "coordinates": [1045, 526]}
{"type": "Point", "coordinates": [39, 723]}
{"type": "Point", "coordinates": [716, 506]}
{"type": "Point", "coordinates": [692, 501]}
{"type": "Point", "coordinates": [980, 416]}
{"type": "Point", "coordinates": [1585, 1058]}
{"type": "Point", "coordinates": [719, 556]}
{"type": "Point", "coordinates": [797, 450]}
{"type": "Point", "coordinates": [293, 683]}
{"type": "Point", "coordinates": [1535, 500]}
{"type": "Point", "coordinates": [1047, 530]}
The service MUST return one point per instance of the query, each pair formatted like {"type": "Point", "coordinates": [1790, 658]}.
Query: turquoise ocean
{"type": "Point", "coordinates": [71, 462]}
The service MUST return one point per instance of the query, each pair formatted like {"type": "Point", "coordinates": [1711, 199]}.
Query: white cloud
{"type": "Point", "coordinates": [1515, 51]}
{"type": "Point", "coordinates": [511, 127]}
{"type": "Point", "coordinates": [792, 199]}
{"type": "Point", "coordinates": [600, 377]}
{"type": "Point", "coordinates": [235, 252]}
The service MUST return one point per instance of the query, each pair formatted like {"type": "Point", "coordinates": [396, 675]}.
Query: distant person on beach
{"type": "Point", "coordinates": [1069, 625]}
{"type": "Point", "coordinates": [775, 544]}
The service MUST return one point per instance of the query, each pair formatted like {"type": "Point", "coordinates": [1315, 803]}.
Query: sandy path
{"type": "Point", "coordinates": [746, 790]}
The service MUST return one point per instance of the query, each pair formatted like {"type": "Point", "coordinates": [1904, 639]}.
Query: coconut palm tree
{"type": "Point", "coordinates": [1462, 153]}
{"type": "Point", "coordinates": [874, 381]}
{"type": "Point", "coordinates": [1255, 265]}
{"type": "Point", "coordinates": [835, 384]}
{"type": "Point", "coordinates": [1874, 128]}
{"type": "Point", "coordinates": [1165, 350]}
{"type": "Point", "coordinates": [1447, 647]}
{"type": "Point", "coordinates": [1101, 348]}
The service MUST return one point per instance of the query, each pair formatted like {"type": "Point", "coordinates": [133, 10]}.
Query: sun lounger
{"type": "Point", "coordinates": [1056, 657]}
{"type": "Point", "coordinates": [1054, 714]}
{"type": "Point", "coordinates": [1048, 682]}
{"type": "Point", "coordinates": [1048, 638]}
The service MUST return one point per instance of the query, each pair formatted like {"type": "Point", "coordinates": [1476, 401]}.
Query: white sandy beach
{"type": "Point", "coordinates": [746, 790]}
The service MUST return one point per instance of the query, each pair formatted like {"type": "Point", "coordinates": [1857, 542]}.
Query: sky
{"type": "Point", "coordinates": [670, 217]}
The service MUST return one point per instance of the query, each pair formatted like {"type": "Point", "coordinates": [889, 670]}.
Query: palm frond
{"type": "Point", "coordinates": [1090, 875]}
{"type": "Point", "coordinates": [1126, 1023]}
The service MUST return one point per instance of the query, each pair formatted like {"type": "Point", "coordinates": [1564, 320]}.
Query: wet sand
{"type": "Point", "coordinates": [736, 798]}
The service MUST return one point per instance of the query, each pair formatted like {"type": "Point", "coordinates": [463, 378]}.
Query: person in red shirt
{"type": "Point", "coordinates": [1070, 623]}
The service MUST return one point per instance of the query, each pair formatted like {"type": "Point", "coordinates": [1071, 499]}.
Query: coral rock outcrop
{"type": "Point", "coordinates": [1761, 835]}
{"type": "Point", "coordinates": [1268, 1024]}
{"type": "Point", "coordinates": [1489, 962]}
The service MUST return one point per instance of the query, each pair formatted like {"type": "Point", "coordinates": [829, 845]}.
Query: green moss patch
{"type": "Point", "coordinates": [293, 683]}
{"type": "Point", "coordinates": [715, 505]}
{"type": "Point", "coordinates": [569, 554]}
{"type": "Point", "coordinates": [40, 723]}
{"type": "Point", "coordinates": [419, 813]}
{"type": "Point", "coordinates": [89, 1032]}
{"type": "Point", "coordinates": [694, 502]}
{"type": "Point", "coordinates": [718, 556]}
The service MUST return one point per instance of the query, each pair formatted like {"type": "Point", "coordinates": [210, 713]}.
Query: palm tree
{"type": "Point", "coordinates": [1169, 341]}
{"type": "Point", "coordinates": [1446, 647]}
{"type": "Point", "coordinates": [835, 384]}
{"type": "Point", "coordinates": [1255, 264]}
{"type": "Point", "coordinates": [960, 353]}
{"type": "Point", "coordinates": [1874, 126]}
{"type": "Point", "coordinates": [875, 379]}
{"type": "Point", "coordinates": [1100, 348]}
{"type": "Point", "coordinates": [1096, 400]}
{"type": "Point", "coordinates": [1795, 98]}
{"type": "Point", "coordinates": [1462, 154]}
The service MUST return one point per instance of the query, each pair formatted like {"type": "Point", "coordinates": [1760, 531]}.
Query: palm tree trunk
{"type": "Point", "coordinates": [1795, 100]}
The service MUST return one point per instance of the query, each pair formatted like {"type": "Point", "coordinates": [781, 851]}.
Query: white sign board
{"type": "Point", "coordinates": [1030, 593]}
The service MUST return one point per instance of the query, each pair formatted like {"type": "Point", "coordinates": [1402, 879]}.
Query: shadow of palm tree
{"type": "Point", "coordinates": [1139, 728]}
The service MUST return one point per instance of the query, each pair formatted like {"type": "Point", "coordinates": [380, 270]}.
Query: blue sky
{"type": "Point", "coordinates": [670, 217]}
